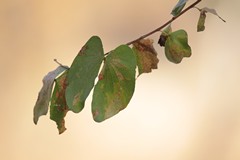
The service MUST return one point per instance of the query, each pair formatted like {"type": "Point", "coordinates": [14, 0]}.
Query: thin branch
{"type": "Point", "coordinates": [197, 8]}
{"type": "Point", "coordinates": [66, 67]}
{"type": "Point", "coordinates": [167, 23]}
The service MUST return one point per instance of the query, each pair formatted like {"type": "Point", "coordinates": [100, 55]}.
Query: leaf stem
{"type": "Point", "coordinates": [66, 67]}
{"type": "Point", "coordinates": [167, 23]}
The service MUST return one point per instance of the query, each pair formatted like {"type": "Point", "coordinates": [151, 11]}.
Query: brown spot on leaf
{"type": "Point", "coordinates": [82, 51]}
{"type": "Point", "coordinates": [58, 106]}
{"type": "Point", "coordinates": [100, 76]}
{"type": "Point", "coordinates": [61, 127]}
{"type": "Point", "coordinates": [76, 99]}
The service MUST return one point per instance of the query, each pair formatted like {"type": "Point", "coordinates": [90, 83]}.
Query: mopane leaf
{"type": "Point", "coordinates": [177, 47]}
{"type": "Point", "coordinates": [163, 37]}
{"type": "Point", "coordinates": [178, 8]}
{"type": "Point", "coordinates": [116, 84]}
{"type": "Point", "coordinates": [146, 56]}
{"type": "Point", "coordinates": [82, 74]}
{"type": "Point", "coordinates": [201, 21]}
{"type": "Point", "coordinates": [58, 107]}
{"type": "Point", "coordinates": [41, 106]}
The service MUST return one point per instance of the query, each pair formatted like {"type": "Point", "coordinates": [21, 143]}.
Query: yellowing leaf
{"type": "Point", "coordinates": [58, 107]}
{"type": "Point", "coordinates": [116, 84]}
{"type": "Point", "coordinates": [44, 96]}
{"type": "Point", "coordinates": [82, 74]}
{"type": "Point", "coordinates": [176, 47]}
{"type": "Point", "coordinates": [146, 56]}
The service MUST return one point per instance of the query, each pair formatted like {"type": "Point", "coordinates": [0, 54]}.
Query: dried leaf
{"type": "Point", "coordinates": [146, 56]}
{"type": "Point", "coordinates": [44, 96]}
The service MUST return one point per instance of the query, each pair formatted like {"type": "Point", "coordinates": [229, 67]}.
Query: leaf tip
{"type": "Point", "coordinates": [61, 130]}
{"type": "Point", "coordinates": [96, 116]}
{"type": "Point", "coordinates": [35, 120]}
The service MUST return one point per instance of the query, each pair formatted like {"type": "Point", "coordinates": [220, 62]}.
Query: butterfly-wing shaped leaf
{"type": "Point", "coordinates": [178, 8]}
{"type": "Point", "coordinates": [82, 74]}
{"type": "Point", "coordinates": [116, 84]}
{"type": "Point", "coordinates": [44, 96]}
{"type": "Point", "coordinates": [58, 107]}
{"type": "Point", "coordinates": [176, 47]}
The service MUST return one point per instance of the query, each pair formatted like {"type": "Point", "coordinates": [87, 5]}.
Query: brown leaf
{"type": "Point", "coordinates": [146, 56]}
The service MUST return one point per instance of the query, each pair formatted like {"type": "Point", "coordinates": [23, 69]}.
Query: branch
{"type": "Point", "coordinates": [167, 23]}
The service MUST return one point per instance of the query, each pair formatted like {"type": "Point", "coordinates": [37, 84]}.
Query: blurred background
{"type": "Point", "coordinates": [189, 111]}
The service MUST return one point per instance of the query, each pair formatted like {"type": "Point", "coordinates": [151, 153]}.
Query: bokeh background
{"type": "Point", "coordinates": [189, 111]}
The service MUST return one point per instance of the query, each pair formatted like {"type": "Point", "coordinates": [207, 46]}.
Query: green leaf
{"type": "Point", "coordinates": [177, 47]}
{"type": "Point", "coordinates": [58, 107]}
{"type": "Point", "coordinates": [201, 21]}
{"type": "Point", "coordinates": [146, 56]}
{"type": "Point", "coordinates": [116, 84]}
{"type": "Point", "coordinates": [82, 74]}
{"type": "Point", "coordinates": [179, 7]}
{"type": "Point", "coordinates": [41, 106]}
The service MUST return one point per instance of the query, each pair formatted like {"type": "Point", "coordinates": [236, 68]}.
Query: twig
{"type": "Point", "coordinates": [66, 67]}
{"type": "Point", "coordinates": [167, 23]}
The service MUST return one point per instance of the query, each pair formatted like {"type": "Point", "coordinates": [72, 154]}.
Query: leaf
{"type": "Point", "coordinates": [179, 7]}
{"type": "Point", "coordinates": [146, 56]}
{"type": "Point", "coordinates": [82, 74]}
{"type": "Point", "coordinates": [116, 84]}
{"type": "Point", "coordinates": [213, 11]}
{"type": "Point", "coordinates": [202, 18]}
{"type": "Point", "coordinates": [41, 106]}
{"type": "Point", "coordinates": [58, 107]}
{"type": "Point", "coordinates": [177, 47]}
{"type": "Point", "coordinates": [163, 37]}
{"type": "Point", "coordinates": [201, 21]}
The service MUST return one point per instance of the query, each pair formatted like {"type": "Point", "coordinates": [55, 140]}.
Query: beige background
{"type": "Point", "coordinates": [189, 111]}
